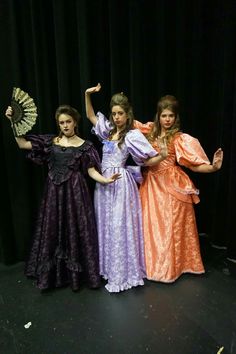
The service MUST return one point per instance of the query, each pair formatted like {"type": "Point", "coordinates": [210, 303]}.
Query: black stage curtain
{"type": "Point", "coordinates": [55, 49]}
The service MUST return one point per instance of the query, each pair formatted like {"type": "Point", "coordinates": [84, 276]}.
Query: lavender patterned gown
{"type": "Point", "coordinates": [118, 210]}
{"type": "Point", "coordinates": [65, 246]}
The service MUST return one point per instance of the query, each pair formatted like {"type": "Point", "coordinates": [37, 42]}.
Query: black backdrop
{"type": "Point", "coordinates": [55, 49]}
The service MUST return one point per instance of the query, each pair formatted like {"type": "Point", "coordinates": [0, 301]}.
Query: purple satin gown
{"type": "Point", "coordinates": [118, 210]}
{"type": "Point", "coordinates": [64, 247]}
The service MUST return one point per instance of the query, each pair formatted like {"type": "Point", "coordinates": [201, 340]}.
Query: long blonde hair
{"type": "Point", "coordinates": [165, 102]}
{"type": "Point", "coordinates": [119, 99]}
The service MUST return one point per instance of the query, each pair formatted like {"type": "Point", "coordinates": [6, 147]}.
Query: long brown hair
{"type": "Point", "coordinates": [72, 112]}
{"type": "Point", "coordinates": [165, 102]}
{"type": "Point", "coordinates": [119, 99]}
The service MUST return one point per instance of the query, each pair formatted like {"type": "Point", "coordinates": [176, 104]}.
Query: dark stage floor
{"type": "Point", "coordinates": [194, 315]}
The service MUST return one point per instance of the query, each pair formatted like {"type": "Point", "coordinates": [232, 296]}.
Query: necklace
{"type": "Point", "coordinates": [64, 136]}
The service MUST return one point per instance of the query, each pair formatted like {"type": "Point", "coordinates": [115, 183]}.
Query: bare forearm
{"type": "Point", "coordinates": [89, 109]}
{"type": "Point", "coordinates": [94, 174]}
{"type": "Point", "coordinates": [203, 168]}
{"type": "Point", "coordinates": [214, 166]}
{"type": "Point", "coordinates": [23, 143]}
{"type": "Point", "coordinates": [152, 161]}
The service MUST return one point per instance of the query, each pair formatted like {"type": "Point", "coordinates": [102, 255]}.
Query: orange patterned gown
{"type": "Point", "coordinates": [167, 196]}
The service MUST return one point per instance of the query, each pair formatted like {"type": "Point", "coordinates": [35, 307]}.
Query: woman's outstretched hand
{"type": "Point", "coordinates": [113, 178]}
{"type": "Point", "coordinates": [93, 89]}
{"type": "Point", "coordinates": [217, 159]}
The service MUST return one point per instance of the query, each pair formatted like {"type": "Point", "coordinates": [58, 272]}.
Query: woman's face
{"type": "Point", "coordinates": [119, 117]}
{"type": "Point", "coordinates": [66, 124]}
{"type": "Point", "coordinates": [167, 119]}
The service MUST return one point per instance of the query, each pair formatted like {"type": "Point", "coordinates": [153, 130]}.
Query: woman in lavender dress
{"type": "Point", "coordinates": [64, 247]}
{"type": "Point", "coordinates": [117, 206]}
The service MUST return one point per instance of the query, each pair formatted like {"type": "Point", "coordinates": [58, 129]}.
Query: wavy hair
{"type": "Point", "coordinates": [165, 102]}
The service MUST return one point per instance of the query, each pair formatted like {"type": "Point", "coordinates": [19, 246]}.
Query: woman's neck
{"type": "Point", "coordinates": [70, 137]}
{"type": "Point", "coordinates": [163, 133]}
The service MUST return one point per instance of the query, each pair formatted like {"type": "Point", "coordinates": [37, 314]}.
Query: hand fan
{"type": "Point", "coordinates": [24, 112]}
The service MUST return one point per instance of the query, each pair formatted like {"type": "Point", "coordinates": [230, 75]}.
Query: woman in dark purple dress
{"type": "Point", "coordinates": [64, 247]}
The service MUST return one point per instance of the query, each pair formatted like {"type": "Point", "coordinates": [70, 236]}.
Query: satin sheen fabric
{"type": "Point", "coordinates": [118, 210]}
{"type": "Point", "coordinates": [167, 195]}
{"type": "Point", "coordinates": [64, 248]}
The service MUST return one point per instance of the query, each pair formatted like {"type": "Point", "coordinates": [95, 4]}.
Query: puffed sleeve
{"type": "Point", "coordinates": [139, 147]}
{"type": "Point", "coordinates": [102, 127]}
{"type": "Point", "coordinates": [189, 151]}
{"type": "Point", "coordinates": [145, 128]}
{"type": "Point", "coordinates": [41, 147]}
{"type": "Point", "coordinates": [91, 158]}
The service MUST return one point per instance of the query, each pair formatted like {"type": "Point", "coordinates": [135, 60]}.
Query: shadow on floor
{"type": "Point", "coordinates": [194, 315]}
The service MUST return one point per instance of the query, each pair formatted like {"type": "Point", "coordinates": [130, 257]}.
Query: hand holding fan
{"type": "Point", "coordinates": [24, 112]}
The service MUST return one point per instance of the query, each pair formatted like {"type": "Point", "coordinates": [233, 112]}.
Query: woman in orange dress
{"type": "Point", "coordinates": [168, 194]}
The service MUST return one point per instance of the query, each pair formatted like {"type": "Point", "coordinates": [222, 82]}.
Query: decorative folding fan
{"type": "Point", "coordinates": [24, 112]}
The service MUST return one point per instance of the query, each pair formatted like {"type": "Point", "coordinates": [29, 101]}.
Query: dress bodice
{"type": "Point", "coordinates": [62, 161]}
{"type": "Point", "coordinates": [113, 155]}
{"type": "Point", "coordinates": [183, 150]}
{"type": "Point", "coordinates": [135, 144]}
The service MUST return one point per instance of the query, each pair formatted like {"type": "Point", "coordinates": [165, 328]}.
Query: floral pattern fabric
{"type": "Point", "coordinates": [64, 248]}
{"type": "Point", "coordinates": [118, 209]}
{"type": "Point", "coordinates": [167, 196]}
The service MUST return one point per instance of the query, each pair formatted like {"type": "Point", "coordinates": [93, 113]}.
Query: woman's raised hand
{"type": "Point", "coordinates": [163, 149]}
{"type": "Point", "coordinates": [9, 112]}
{"type": "Point", "coordinates": [217, 159]}
{"type": "Point", "coordinates": [93, 89]}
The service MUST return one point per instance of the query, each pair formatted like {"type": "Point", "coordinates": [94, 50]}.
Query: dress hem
{"type": "Point", "coordinates": [113, 288]}
{"type": "Point", "coordinates": [174, 279]}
